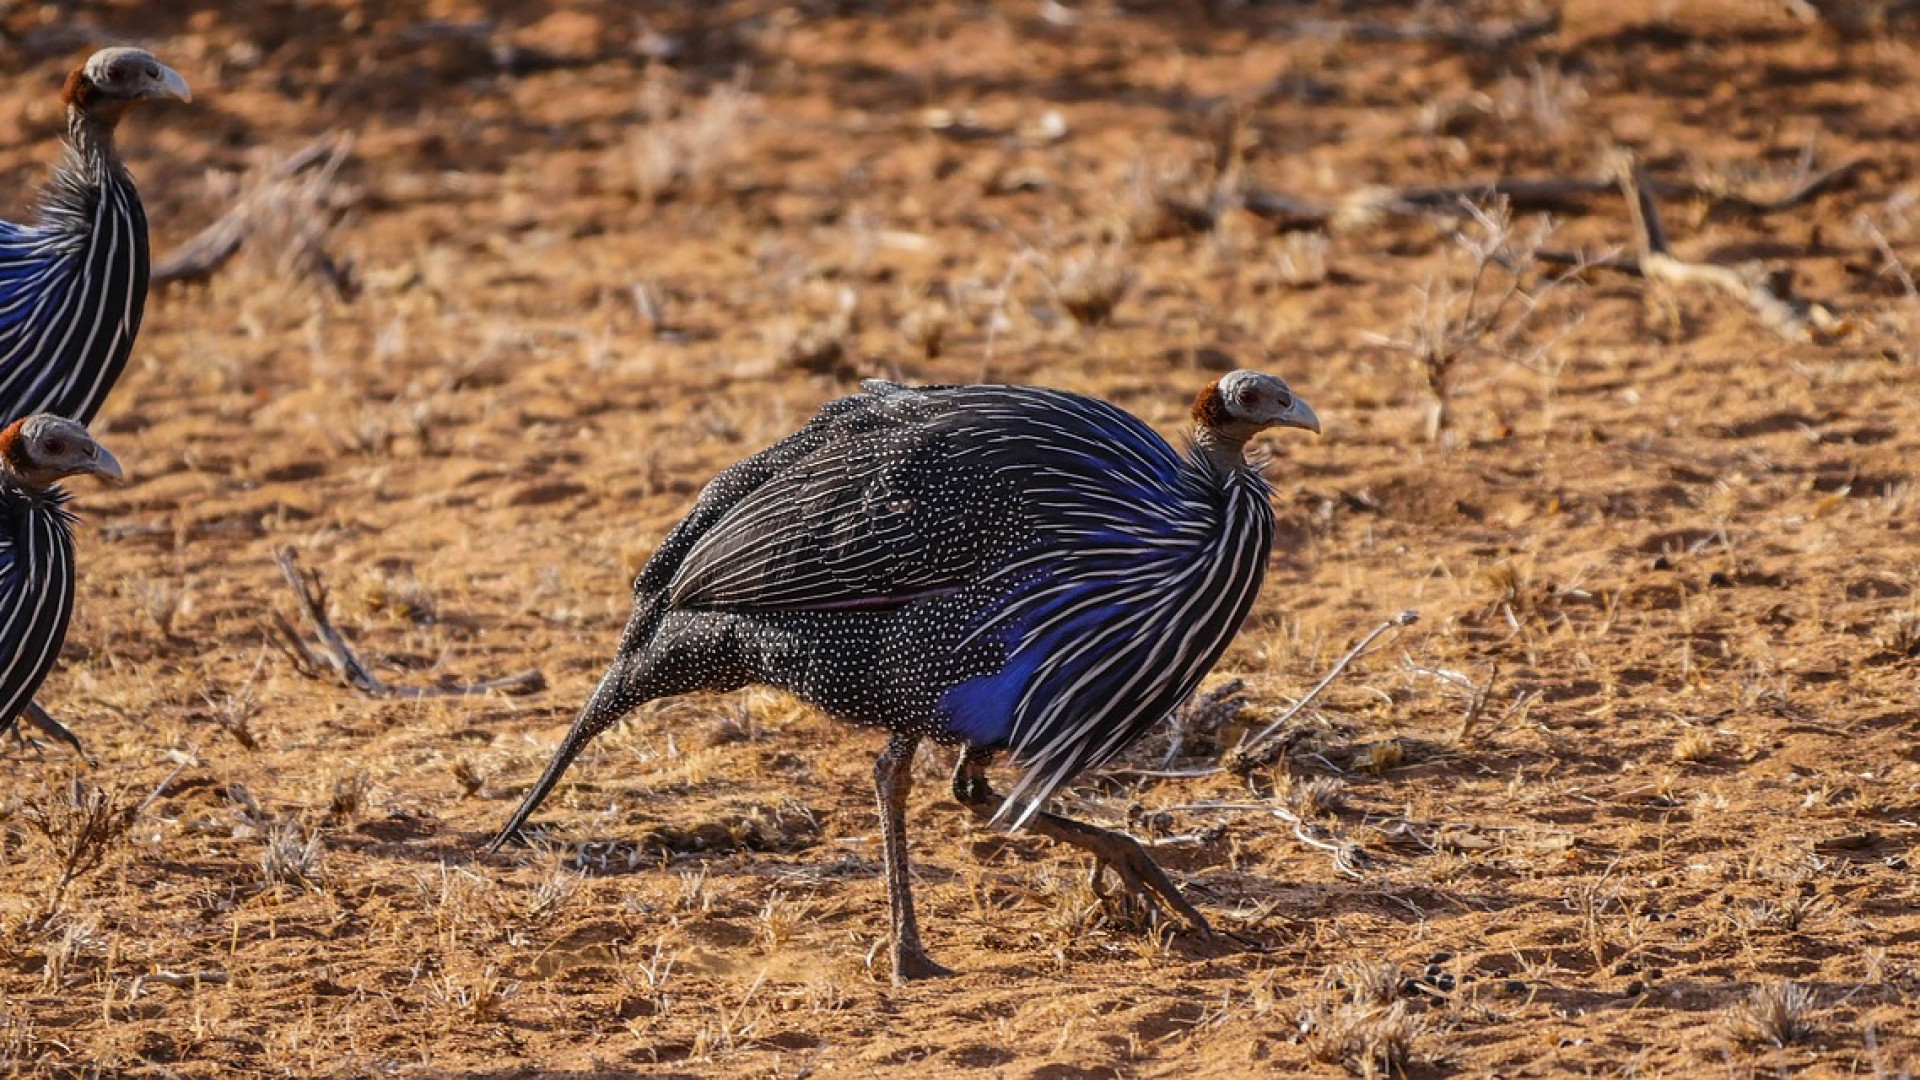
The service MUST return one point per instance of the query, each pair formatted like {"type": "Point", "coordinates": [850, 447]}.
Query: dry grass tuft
{"type": "Point", "coordinates": [1775, 1013]}
{"type": "Point", "coordinates": [1368, 1041]}
{"type": "Point", "coordinates": [81, 826]}
{"type": "Point", "coordinates": [779, 918]}
{"type": "Point", "coordinates": [468, 775]}
{"type": "Point", "coordinates": [1899, 633]}
{"type": "Point", "coordinates": [234, 712]}
{"type": "Point", "coordinates": [63, 947]}
{"type": "Point", "coordinates": [1368, 983]}
{"type": "Point", "coordinates": [1698, 744]}
{"type": "Point", "coordinates": [1091, 286]}
{"type": "Point", "coordinates": [557, 885]}
{"type": "Point", "coordinates": [162, 601]}
{"type": "Point", "coordinates": [348, 796]}
{"type": "Point", "coordinates": [1545, 98]}
{"type": "Point", "coordinates": [1302, 262]}
{"type": "Point", "coordinates": [820, 346]}
{"type": "Point", "coordinates": [1483, 304]}
{"type": "Point", "coordinates": [294, 858]}
{"type": "Point", "coordinates": [470, 996]}
{"type": "Point", "coordinates": [926, 325]}
{"type": "Point", "coordinates": [683, 147]}
{"type": "Point", "coordinates": [1382, 757]}
{"type": "Point", "coordinates": [1315, 797]}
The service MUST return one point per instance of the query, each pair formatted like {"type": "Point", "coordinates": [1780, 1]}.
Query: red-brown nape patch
{"type": "Point", "coordinates": [13, 448]}
{"type": "Point", "coordinates": [1208, 409]}
{"type": "Point", "coordinates": [79, 91]}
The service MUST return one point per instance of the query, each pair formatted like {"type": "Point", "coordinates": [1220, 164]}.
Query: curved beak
{"type": "Point", "coordinates": [171, 85]}
{"type": "Point", "coordinates": [104, 465]}
{"type": "Point", "coordinates": [1300, 416]}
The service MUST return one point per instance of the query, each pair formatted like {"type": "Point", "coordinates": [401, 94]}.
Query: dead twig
{"type": "Point", "coordinates": [1249, 754]}
{"type": "Point", "coordinates": [1466, 34]}
{"type": "Point", "coordinates": [1541, 194]}
{"type": "Point", "coordinates": [1349, 858]}
{"type": "Point", "coordinates": [179, 980]}
{"type": "Point", "coordinates": [1792, 319]}
{"type": "Point", "coordinates": [287, 203]}
{"type": "Point", "coordinates": [311, 592]}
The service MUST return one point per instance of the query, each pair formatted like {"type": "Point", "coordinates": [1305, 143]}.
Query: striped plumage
{"type": "Point", "coordinates": [1006, 568]}
{"type": "Point", "coordinates": [73, 286]}
{"type": "Point", "coordinates": [36, 555]}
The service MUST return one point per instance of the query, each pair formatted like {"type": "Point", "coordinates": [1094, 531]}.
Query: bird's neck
{"type": "Point", "coordinates": [1223, 451]}
{"type": "Point", "coordinates": [18, 490]}
{"type": "Point", "coordinates": [90, 132]}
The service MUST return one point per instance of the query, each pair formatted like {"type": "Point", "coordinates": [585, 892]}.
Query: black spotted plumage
{"type": "Point", "coordinates": [1007, 568]}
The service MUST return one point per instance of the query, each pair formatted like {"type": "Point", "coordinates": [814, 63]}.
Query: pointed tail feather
{"type": "Point", "coordinates": [606, 705]}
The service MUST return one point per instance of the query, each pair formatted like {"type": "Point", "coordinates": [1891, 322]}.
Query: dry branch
{"type": "Point", "coordinates": [1251, 753]}
{"type": "Point", "coordinates": [1466, 34]}
{"type": "Point", "coordinates": [311, 592]}
{"type": "Point", "coordinates": [1349, 858]}
{"type": "Point", "coordinates": [287, 204]}
{"type": "Point", "coordinates": [1792, 318]}
{"type": "Point", "coordinates": [1559, 194]}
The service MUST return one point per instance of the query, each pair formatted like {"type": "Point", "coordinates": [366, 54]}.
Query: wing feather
{"type": "Point", "coordinates": [898, 494]}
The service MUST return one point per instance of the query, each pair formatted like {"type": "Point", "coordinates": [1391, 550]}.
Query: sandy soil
{"type": "Point", "coordinates": [1638, 795]}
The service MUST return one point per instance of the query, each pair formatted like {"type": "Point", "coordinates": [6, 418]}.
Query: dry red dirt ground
{"type": "Point", "coordinates": [1639, 794]}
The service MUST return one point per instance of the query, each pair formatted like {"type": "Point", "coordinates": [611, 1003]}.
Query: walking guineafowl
{"type": "Point", "coordinates": [74, 285]}
{"type": "Point", "coordinates": [999, 567]}
{"type": "Point", "coordinates": [36, 555]}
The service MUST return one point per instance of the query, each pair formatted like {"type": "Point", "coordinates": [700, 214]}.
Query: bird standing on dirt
{"type": "Point", "coordinates": [36, 556]}
{"type": "Point", "coordinates": [1005, 568]}
{"type": "Point", "coordinates": [73, 287]}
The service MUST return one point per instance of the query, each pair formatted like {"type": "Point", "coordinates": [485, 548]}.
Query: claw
{"type": "Point", "coordinates": [40, 718]}
{"type": "Point", "coordinates": [910, 965]}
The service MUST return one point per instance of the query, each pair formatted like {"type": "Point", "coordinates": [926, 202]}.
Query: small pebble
{"type": "Point", "coordinates": [1439, 958]}
{"type": "Point", "coordinates": [1513, 986]}
{"type": "Point", "coordinates": [1636, 988]}
{"type": "Point", "coordinates": [1433, 971]}
{"type": "Point", "coordinates": [1626, 967]}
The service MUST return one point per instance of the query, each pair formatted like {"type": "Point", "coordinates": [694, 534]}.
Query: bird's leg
{"type": "Point", "coordinates": [39, 717]}
{"type": "Point", "coordinates": [1139, 875]}
{"type": "Point", "coordinates": [892, 781]}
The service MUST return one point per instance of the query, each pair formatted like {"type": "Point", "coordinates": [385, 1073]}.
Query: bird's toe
{"type": "Point", "coordinates": [913, 965]}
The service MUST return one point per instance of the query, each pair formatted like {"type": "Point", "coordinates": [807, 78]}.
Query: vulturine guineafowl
{"type": "Point", "coordinates": [998, 567]}
{"type": "Point", "coordinates": [36, 556]}
{"type": "Point", "coordinates": [73, 286]}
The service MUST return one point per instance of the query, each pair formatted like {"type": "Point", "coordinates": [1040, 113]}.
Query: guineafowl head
{"type": "Point", "coordinates": [37, 452]}
{"type": "Point", "coordinates": [114, 79]}
{"type": "Point", "coordinates": [1239, 405]}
